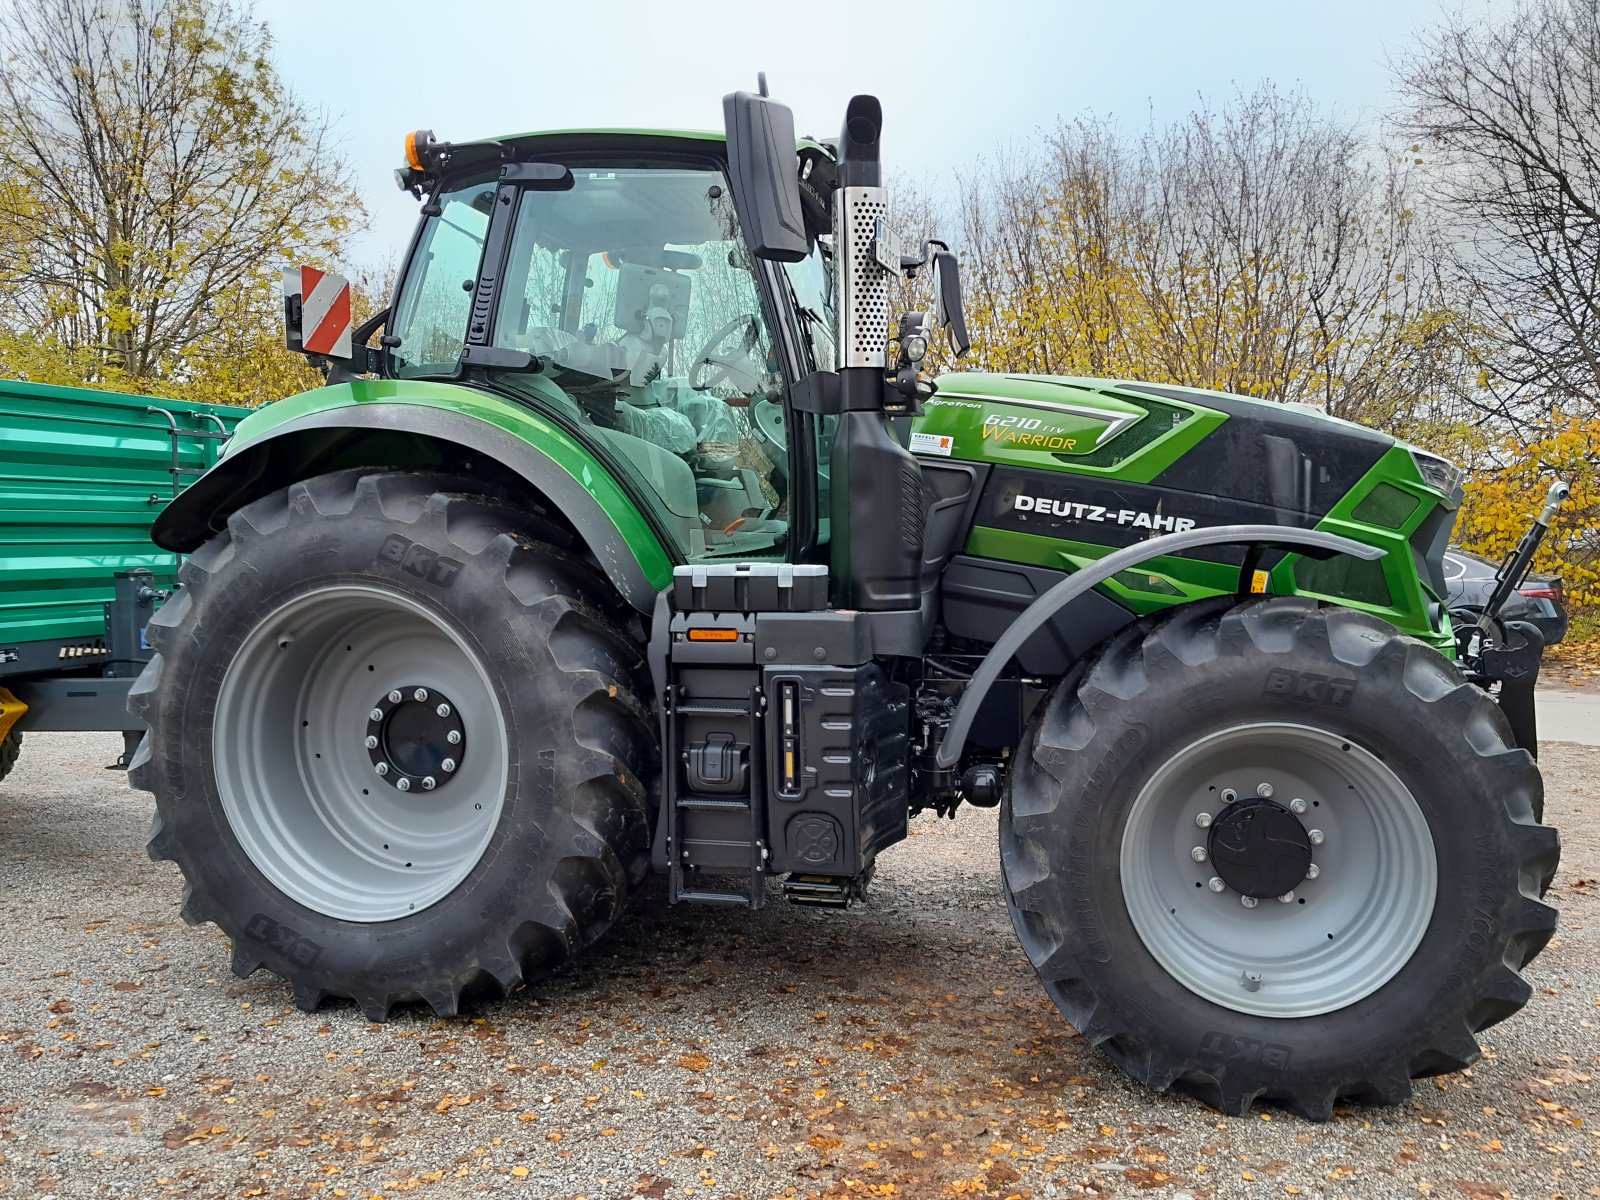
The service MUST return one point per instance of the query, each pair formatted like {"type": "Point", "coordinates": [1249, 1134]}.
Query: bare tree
{"type": "Point", "coordinates": [159, 173]}
{"type": "Point", "coordinates": [1260, 248]}
{"type": "Point", "coordinates": [1506, 115]}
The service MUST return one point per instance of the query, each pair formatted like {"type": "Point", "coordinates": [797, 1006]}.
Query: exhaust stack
{"type": "Point", "coordinates": [876, 496]}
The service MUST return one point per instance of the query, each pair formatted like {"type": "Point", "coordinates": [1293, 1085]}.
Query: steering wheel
{"type": "Point", "coordinates": [716, 365]}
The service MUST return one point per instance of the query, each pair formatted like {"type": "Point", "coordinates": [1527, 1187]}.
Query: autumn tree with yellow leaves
{"type": "Point", "coordinates": [157, 176]}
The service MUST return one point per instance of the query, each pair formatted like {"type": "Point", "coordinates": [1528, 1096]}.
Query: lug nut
{"type": "Point", "coordinates": [1229, 795]}
{"type": "Point", "coordinates": [1203, 820]}
{"type": "Point", "coordinates": [1248, 901]}
{"type": "Point", "coordinates": [443, 710]}
{"type": "Point", "coordinates": [1297, 805]}
{"type": "Point", "coordinates": [429, 783]}
{"type": "Point", "coordinates": [1250, 980]}
{"type": "Point", "coordinates": [1313, 871]}
{"type": "Point", "coordinates": [372, 742]}
{"type": "Point", "coordinates": [420, 695]}
{"type": "Point", "coordinates": [448, 764]}
{"type": "Point", "coordinates": [1216, 885]}
{"type": "Point", "coordinates": [395, 697]}
{"type": "Point", "coordinates": [453, 737]}
{"type": "Point", "coordinates": [1317, 837]}
{"type": "Point", "coordinates": [376, 714]}
{"type": "Point", "coordinates": [1264, 790]}
{"type": "Point", "coordinates": [1286, 898]}
{"type": "Point", "coordinates": [382, 769]}
{"type": "Point", "coordinates": [1198, 854]}
{"type": "Point", "coordinates": [403, 784]}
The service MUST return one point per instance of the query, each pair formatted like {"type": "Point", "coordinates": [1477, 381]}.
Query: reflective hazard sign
{"type": "Point", "coordinates": [316, 312]}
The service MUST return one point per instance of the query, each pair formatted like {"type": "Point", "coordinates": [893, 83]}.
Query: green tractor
{"type": "Point", "coordinates": [638, 542]}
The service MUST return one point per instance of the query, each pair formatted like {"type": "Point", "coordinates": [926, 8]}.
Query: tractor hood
{"type": "Point", "coordinates": [1283, 457]}
{"type": "Point", "coordinates": [1062, 471]}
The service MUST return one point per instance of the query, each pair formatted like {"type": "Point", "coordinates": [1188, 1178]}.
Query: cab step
{"type": "Point", "coordinates": [822, 891]}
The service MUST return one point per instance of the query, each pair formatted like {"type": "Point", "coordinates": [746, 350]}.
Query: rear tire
{"type": "Point", "coordinates": [1428, 914]}
{"type": "Point", "coordinates": [10, 748]}
{"type": "Point", "coordinates": [504, 699]}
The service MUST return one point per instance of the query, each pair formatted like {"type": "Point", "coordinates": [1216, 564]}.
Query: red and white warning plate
{"type": "Point", "coordinates": [324, 311]}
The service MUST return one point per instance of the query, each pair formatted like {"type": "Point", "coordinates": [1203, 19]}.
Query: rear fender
{"type": "Point", "coordinates": [420, 435]}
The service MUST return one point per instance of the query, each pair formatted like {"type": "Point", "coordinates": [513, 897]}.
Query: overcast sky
{"type": "Point", "coordinates": [956, 77]}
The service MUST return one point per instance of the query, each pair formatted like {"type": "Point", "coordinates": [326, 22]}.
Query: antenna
{"type": "Point", "coordinates": [761, 82]}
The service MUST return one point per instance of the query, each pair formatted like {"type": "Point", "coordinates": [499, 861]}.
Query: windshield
{"type": "Point", "coordinates": [635, 288]}
{"type": "Point", "coordinates": [431, 316]}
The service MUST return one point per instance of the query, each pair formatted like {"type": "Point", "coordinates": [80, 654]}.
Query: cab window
{"type": "Point", "coordinates": [636, 287]}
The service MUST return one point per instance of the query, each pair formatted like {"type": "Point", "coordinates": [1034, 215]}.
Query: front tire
{"type": "Point", "coordinates": [1164, 878]}
{"type": "Point", "coordinates": [396, 742]}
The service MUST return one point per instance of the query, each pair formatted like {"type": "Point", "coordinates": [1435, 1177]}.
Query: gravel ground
{"type": "Point", "coordinates": [901, 1048]}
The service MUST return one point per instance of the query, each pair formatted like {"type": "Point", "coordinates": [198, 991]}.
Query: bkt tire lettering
{"type": "Point", "coordinates": [1225, 1048]}
{"type": "Point", "coordinates": [419, 560]}
{"type": "Point", "coordinates": [1309, 688]}
{"type": "Point", "coordinates": [280, 939]}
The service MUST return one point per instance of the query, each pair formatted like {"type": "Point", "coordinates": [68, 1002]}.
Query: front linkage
{"type": "Point", "coordinates": [1505, 655]}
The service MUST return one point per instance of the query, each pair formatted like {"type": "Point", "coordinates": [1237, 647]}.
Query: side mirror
{"type": "Point", "coordinates": [947, 288]}
{"type": "Point", "coordinates": [765, 172]}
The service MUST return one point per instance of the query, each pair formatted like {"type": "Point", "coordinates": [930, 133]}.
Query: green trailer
{"type": "Point", "coordinates": [83, 475]}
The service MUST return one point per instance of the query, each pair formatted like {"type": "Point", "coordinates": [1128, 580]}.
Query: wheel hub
{"type": "Point", "coordinates": [1259, 848]}
{"type": "Point", "coordinates": [415, 738]}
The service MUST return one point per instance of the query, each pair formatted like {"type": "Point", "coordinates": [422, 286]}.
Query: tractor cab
{"type": "Point", "coordinates": [670, 299]}
{"type": "Point", "coordinates": [614, 291]}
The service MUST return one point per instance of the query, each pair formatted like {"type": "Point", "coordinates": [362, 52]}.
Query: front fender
{"type": "Point", "coordinates": [1306, 541]}
{"type": "Point", "coordinates": [405, 423]}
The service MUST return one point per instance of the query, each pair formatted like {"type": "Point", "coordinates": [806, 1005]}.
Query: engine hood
{"type": "Point", "coordinates": [1288, 457]}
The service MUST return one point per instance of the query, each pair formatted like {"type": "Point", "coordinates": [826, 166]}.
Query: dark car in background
{"type": "Point", "coordinates": [1469, 579]}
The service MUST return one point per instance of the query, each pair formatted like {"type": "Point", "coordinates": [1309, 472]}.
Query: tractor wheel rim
{"type": "Point", "coordinates": [1341, 933]}
{"type": "Point", "coordinates": [322, 816]}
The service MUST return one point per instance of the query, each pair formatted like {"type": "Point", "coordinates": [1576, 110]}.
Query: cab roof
{"type": "Point", "coordinates": [518, 143]}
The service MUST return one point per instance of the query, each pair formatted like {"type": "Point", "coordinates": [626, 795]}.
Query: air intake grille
{"type": "Point", "coordinates": [863, 284]}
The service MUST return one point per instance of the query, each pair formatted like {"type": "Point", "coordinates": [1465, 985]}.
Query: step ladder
{"type": "Point", "coordinates": [717, 834]}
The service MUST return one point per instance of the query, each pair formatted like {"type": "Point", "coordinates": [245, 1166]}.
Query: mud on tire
{"type": "Point", "coordinates": [1171, 682]}
{"type": "Point", "coordinates": [571, 832]}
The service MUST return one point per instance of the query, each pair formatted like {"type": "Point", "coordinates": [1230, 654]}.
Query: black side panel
{"type": "Point", "coordinates": [949, 493]}
{"type": "Point", "coordinates": [876, 532]}
{"type": "Point", "coordinates": [837, 766]}
{"type": "Point", "coordinates": [1108, 513]}
{"type": "Point", "coordinates": [982, 597]}
{"type": "Point", "coordinates": [1275, 455]}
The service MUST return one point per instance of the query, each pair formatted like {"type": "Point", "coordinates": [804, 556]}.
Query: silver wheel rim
{"type": "Point", "coordinates": [297, 780]}
{"type": "Point", "coordinates": [1342, 934]}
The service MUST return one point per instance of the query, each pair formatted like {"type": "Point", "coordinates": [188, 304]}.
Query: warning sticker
{"type": "Point", "coordinates": [932, 443]}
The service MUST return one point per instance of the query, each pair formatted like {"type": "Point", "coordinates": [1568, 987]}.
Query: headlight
{"type": "Point", "coordinates": [1437, 472]}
